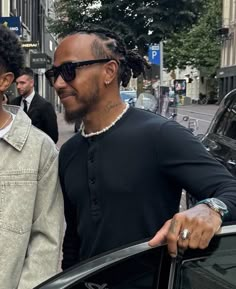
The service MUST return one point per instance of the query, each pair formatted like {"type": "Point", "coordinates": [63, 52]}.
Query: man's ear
{"type": "Point", "coordinates": [110, 71]}
{"type": "Point", "coordinates": [6, 80]}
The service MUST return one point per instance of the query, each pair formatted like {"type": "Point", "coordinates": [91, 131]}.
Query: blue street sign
{"type": "Point", "coordinates": [154, 54]}
{"type": "Point", "coordinates": [14, 23]}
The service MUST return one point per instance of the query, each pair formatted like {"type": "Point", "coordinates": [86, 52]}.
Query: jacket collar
{"type": "Point", "coordinates": [20, 128]}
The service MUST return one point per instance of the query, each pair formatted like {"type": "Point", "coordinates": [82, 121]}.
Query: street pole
{"type": "Point", "coordinates": [161, 63]}
{"type": "Point", "coordinates": [160, 100]}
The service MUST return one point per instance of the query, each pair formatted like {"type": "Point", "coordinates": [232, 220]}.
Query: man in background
{"type": "Point", "coordinates": [35, 106]}
{"type": "Point", "coordinates": [32, 217]}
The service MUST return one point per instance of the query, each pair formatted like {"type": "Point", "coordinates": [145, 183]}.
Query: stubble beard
{"type": "Point", "coordinates": [85, 108]}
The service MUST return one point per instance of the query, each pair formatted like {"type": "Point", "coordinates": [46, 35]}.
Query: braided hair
{"type": "Point", "coordinates": [11, 52]}
{"type": "Point", "coordinates": [110, 45]}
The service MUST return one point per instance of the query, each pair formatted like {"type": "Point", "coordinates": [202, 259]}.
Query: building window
{"type": "Point", "coordinates": [19, 7]}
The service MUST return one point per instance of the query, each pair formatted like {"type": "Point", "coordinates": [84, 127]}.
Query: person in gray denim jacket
{"type": "Point", "coordinates": [31, 202]}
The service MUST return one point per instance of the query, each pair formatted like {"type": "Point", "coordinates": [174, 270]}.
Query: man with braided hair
{"type": "Point", "coordinates": [123, 174]}
{"type": "Point", "coordinates": [31, 206]}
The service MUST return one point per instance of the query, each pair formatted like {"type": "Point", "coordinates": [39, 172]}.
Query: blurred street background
{"type": "Point", "coordinates": [191, 51]}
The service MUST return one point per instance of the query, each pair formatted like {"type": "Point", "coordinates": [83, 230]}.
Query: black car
{"type": "Point", "coordinates": [140, 266]}
{"type": "Point", "coordinates": [129, 96]}
{"type": "Point", "coordinates": [220, 139]}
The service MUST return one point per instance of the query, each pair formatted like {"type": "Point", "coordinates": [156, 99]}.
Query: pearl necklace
{"type": "Point", "coordinates": [6, 122]}
{"type": "Point", "coordinates": [81, 129]}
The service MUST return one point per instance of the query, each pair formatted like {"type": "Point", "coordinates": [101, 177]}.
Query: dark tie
{"type": "Point", "coordinates": [25, 105]}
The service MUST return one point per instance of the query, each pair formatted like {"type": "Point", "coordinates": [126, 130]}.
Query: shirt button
{"type": "Point", "coordinates": [95, 202]}
{"type": "Point", "coordinates": [92, 181]}
{"type": "Point", "coordinates": [91, 158]}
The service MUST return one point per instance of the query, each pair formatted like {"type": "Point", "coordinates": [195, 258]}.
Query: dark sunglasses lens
{"type": "Point", "coordinates": [68, 71]}
{"type": "Point", "coordinates": [50, 75]}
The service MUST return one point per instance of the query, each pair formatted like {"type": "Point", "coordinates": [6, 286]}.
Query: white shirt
{"type": "Point", "coordinates": [7, 128]}
{"type": "Point", "coordinates": [28, 99]}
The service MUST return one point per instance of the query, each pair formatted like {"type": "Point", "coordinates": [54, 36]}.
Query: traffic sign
{"type": "Point", "coordinates": [154, 54]}
{"type": "Point", "coordinates": [14, 23]}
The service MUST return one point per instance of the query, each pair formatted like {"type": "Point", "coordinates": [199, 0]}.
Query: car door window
{"type": "Point", "coordinates": [141, 271]}
{"type": "Point", "coordinates": [213, 268]}
{"type": "Point", "coordinates": [227, 123]}
{"type": "Point", "coordinates": [135, 266]}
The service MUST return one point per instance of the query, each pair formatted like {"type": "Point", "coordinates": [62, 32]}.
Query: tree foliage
{"type": "Point", "coordinates": [199, 46]}
{"type": "Point", "coordinates": [139, 22]}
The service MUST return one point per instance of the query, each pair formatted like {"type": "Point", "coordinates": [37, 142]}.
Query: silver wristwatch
{"type": "Point", "coordinates": [216, 205]}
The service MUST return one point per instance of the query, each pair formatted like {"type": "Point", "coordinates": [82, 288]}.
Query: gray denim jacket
{"type": "Point", "coordinates": [31, 206]}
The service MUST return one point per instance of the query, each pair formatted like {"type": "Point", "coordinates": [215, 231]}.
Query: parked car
{"type": "Point", "coordinates": [147, 101]}
{"type": "Point", "coordinates": [208, 99]}
{"type": "Point", "coordinates": [140, 266]}
{"type": "Point", "coordinates": [220, 138]}
{"type": "Point", "coordinates": [129, 96]}
{"type": "Point", "coordinates": [165, 106]}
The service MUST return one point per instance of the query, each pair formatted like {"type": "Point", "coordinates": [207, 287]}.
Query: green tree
{"type": "Point", "coordinates": [199, 46]}
{"type": "Point", "coordinates": [69, 14]}
{"type": "Point", "coordinates": [140, 22]}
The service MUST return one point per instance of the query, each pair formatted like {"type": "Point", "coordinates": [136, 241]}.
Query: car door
{"type": "Point", "coordinates": [135, 266]}
{"type": "Point", "coordinates": [212, 268]}
{"type": "Point", "coordinates": [141, 267]}
{"type": "Point", "coordinates": [228, 134]}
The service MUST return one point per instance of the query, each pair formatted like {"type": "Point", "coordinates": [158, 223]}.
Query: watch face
{"type": "Point", "coordinates": [219, 204]}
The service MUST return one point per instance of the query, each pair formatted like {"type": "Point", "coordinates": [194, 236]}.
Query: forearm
{"type": "Point", "coordinates": [186, 161]}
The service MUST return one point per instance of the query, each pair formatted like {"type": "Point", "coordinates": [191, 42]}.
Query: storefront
{"type": "Point", "coordinates": [227, 80]}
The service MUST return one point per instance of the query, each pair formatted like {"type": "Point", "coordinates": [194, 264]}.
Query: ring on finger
{"type": "Point", "coordinates": [184, 235]}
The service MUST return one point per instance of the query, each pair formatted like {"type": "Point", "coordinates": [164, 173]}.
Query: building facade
{"type": "Point", "coordinates": [38, 43]}
{"type": "Point", "coordinates": [227, 73]}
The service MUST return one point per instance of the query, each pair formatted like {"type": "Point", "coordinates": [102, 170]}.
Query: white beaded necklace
{"type": "Point", "coordinates": [105, 128]}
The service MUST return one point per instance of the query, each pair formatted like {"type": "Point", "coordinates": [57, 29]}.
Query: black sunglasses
{"type": "Point", "coordinates": [67, 69]}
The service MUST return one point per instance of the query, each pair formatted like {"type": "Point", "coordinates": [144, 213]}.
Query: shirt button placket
{"type": "Point", "coordinates": [92, 182]}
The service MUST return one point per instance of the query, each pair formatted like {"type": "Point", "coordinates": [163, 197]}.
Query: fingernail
{"type": "Point", "coordinates": [173, 255]}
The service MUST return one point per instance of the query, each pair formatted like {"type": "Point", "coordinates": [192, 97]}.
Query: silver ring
{"type": "Point", "coordinates": [184, 234]}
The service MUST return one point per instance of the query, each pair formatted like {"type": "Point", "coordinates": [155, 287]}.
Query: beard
{"type": "Point", "coordinates": [85, 105]}
{"type": "Point", "coordinates": [73, 116]}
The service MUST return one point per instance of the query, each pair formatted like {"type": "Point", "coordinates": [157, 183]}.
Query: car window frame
{"type": "Point", "coordinates": [226, 104]}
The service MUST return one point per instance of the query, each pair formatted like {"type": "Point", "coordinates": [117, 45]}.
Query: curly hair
{"type": "Point", "coordinates": [110, 45]}
{"type": "Point", "coordinates": [11, 52]}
